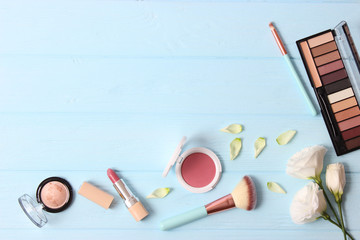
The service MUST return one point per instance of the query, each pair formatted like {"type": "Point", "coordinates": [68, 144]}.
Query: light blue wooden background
{"type": "Point", "coordinates": [88, 85]}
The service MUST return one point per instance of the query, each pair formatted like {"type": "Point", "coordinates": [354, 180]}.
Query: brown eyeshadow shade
{"type": "Point", "coordinates": [344, 104]}
{"type": "Point", "coordinates": [350, 123]}
{"type": "Point", "coordinates": [337, 86]}
{"type": "Point", "coordinates": [321, 39]}
{"type": "Point", "coordinates": [320, 50]}
{"type": "Point", "coordinates": [335, 76]}
{"type": "Point", "coordinates": [311, 65]}
{"type": "Point", "coordinates": [353, 143]}
{"type": "Point", "coordinates": [327, 58]}
{"type": "Point", "coordinates": [354, 132]}
{"type": "Point", "coordinates": [331, 67]}
{"type": "Point", "coordinates": [348, 113]}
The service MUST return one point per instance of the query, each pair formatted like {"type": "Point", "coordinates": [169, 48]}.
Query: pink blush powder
{"type": "Point", "coordinates": [198, 170]}
{"type": "Point", "coordinates": [55, 195]}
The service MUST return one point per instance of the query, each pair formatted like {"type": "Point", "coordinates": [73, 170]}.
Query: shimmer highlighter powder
{"type": "Point", "coordinates": [53, 195]}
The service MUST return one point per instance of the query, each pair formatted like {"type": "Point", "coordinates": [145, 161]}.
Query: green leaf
{"type": "Point", "coordinates": [274, 187]}
{"type": "Point", "coordinates": [259, 145]}
{"type": "Point", "coordinates": [285, 137]}
{"type": "Point", "coordinates": [235, 147]}
{"type": "Point", "coordinates": [159, 193]}
{"type": "Point", "coordinates": [232, 128]}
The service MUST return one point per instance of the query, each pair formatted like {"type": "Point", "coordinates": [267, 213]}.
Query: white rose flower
{"type": "Point", "coordinates": [335, 179]}
{"type": "Point", "coordinates": [307, 164]}
{"type": "Point", "coordinates": [308, 204]}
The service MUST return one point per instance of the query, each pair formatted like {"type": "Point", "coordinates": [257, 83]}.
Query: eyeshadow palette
{"type": "Point", "coordinates": [333, 66]}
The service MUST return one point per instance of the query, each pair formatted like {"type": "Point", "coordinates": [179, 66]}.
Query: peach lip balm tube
{"type": "Point", "coordinates": [134, 206]}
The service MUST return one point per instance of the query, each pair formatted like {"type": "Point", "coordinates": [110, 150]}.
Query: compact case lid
{"type": "Point", "coordinates": [349, 55]}
{"type": "Point", "coordinates": [33, 210]}
{"type": "Point", "coordinates": [174, 157]}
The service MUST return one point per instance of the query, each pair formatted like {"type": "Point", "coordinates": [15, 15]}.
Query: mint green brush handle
{"type": "Point", "coordinates": [300, 84]}
{"type": "Point", "coordinates": [184, 218]}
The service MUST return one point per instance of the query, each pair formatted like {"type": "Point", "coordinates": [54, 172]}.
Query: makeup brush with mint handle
{"type": "Point", "coordinates": [293, 70]}
{"type": "Point", "coordinates": [243, 196]}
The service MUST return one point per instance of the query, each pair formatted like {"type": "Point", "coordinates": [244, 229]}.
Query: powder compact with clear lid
{"type": "Point", "coordinates": [197, 169]}
{"type": "Point", "coordinates": [53, 195]}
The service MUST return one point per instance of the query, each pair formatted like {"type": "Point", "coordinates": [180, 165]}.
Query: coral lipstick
{"type": "Point", "coordinates": [134, 206]}
{"type": "Point", "coordinates": [112, 175]}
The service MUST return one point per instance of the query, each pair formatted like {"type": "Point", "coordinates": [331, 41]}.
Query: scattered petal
{"type": "Point", "coordinates": [232, 128]}
{"type": "Point", "coordinates": [274, 187]}
{"type": "Point", "coordinates": [259, 145]}
{"type": "Point", "coordinates": [235, 147]}
{"type": "Point", "coordinates": [159, 193]}
{"type": "Point", "coordinates": [285, 137]}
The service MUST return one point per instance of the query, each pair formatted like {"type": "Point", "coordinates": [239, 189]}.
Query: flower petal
{"type": "Point", "coordinates": [336, 179]}
{"type": "Point", "coordinates": [274, 187]}
{"type": "Point", "coordinates": [308, 163]}
{"type": "Point", "coordinates": [232, 128]}
{"type": "Point", "coordinates": [285, 137]}
{"type": "Point", "coordinates": [308, 204]}
{"type": "Point", "coordinates": [259, 145]}
{"type": "Point", "coordinates": [159, 193]}
{"type": "Point", "coordinates": [235, 147]}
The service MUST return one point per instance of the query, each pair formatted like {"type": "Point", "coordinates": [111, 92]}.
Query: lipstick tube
{"type": "Point", "coordinates": [134, 206]}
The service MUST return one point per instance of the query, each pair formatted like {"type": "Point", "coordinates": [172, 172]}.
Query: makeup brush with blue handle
{"type": "Point", "coordinates": [243, 196]}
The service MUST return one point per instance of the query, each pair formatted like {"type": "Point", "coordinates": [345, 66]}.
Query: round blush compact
{"type": "Point", "coordinates": [197, 169]}
{"type": "Point", "coordinates": [53, 195]}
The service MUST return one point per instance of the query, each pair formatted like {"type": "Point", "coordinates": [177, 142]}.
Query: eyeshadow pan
{"type": "Point", "coordinates": [337, 86]}
{"type": "Point", "coordinates": [348, 113]}
{"type": "Point", "coordinates": [353, 143]}
{"type": "Point", "coordinates": [321, 39]}
{"type": "Point", "coordinates": [347, 103]}
{"type": "Point", "coordinates": [327, 58]}
{"type": "Point", "coordinates": [320, 50]}
{"type": "Point", "coordinates": [350, 123]}
{"type": "Point", "coordinates": [335, 76]}
{"type": "Point", "coordinates": [331, 67]}
{"type": "Point", "coordinates": [311, 65]}
{"type": "Point", "coordinates": [338, 96]}
{"type": "Point", "coordinates": [354, 132]}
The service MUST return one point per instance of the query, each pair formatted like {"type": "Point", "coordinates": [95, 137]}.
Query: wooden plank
{"type": "Point", "coordinates": [142, 28]}
{"type": "Point", "coordinates": [141, 142]}
{"type": "Point", "coordinates": [221, 86]}
{"type": "Point", "coordinates": [271, 213]}
{"type": "Point", "coordinates": [191, 234]}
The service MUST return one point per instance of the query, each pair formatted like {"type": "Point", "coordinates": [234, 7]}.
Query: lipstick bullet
{"type": "Point", "coordinates": [134, 206]}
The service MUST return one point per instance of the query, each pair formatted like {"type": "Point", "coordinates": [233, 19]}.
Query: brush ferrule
{"type": "Point", "coordinates": [221, 204]}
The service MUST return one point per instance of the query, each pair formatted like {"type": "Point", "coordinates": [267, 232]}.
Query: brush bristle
{"type": "Point", "coordinates": [244, 194]}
